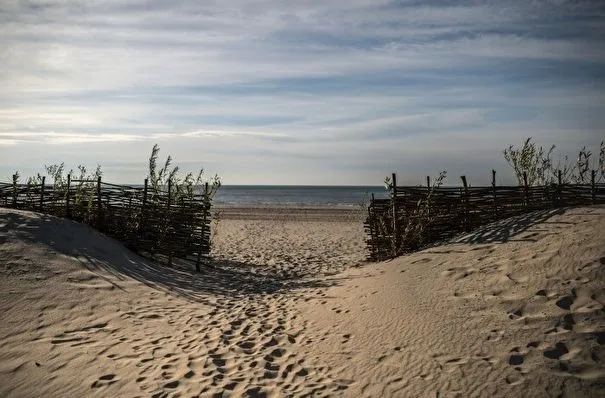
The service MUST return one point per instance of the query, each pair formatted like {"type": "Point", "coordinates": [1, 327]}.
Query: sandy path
{"type": "Point", "coordinates": [300, 242]}
{"type": "Point", "coordinates": [83, 316]}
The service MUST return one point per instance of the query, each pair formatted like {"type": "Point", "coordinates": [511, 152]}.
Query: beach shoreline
{"type": "Point", "coordinates": [343, 213]}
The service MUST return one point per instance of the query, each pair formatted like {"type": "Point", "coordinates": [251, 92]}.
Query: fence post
{"type": "Point", "coordinates": [427, 238]}
{"type": "Point", "coordinates": [169, 192]}
{"type": "Point", "coordinates": [169, 219]}
{"type": "Point", "coordinates": [99, 207]}
{"type": "Point", "coordinates": [67, 212]}
{"type": "Point", "coordinates": [370, 223]}
{"type": "Point", "coordinates": [560, 188]}
{"type": "Point", "coordinates": [15, 176]}
{"type": "Point", "coordinates": [495, 204]}
{"type": "Point", "coordinates": [395, 237]}
{"type": "Point", "coordinates": [206, 202]}
{"type": "Point", "coordinates": [466, 204]}
{"type": "Point", "coordinates": [525, 189]}
{"type": "Point", "coordinates": [593, 192]}
{"type": "Point", "coordinates": [42, 194]}
{"type": "Point", "coordinates": [145, 193]}
{"type": "Point", "coordinates": [143, 214]}
{"type": "Point", "coordinates": [548, 200]}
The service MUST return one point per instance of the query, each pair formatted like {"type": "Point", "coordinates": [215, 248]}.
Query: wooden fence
{"type": "Point", "coordinates": [413, 217]}
{"type": "Point", "coordinates": [147, 220]}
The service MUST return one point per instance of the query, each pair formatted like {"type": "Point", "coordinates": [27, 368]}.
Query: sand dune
{"type": "Point", "coordinates": [516, 309]}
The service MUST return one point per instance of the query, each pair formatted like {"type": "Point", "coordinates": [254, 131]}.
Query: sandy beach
{"type": "Point", "coordinates": [289, 307]}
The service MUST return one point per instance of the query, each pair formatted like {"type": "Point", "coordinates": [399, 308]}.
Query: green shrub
{"type": "Point", "coordinates": [540, 169]}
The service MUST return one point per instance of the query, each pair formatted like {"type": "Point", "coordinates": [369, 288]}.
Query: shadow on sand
{"type": "Point", "coordinates": [507, 229]}
{"type": "Point", "coordinates": [98, 252]}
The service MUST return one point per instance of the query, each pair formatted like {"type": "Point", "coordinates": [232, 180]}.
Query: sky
{"type": "Point", "coordinates": [314, 92]}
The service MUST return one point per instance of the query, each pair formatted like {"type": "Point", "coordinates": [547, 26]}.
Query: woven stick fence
{"type": "Point", "coordinates": [413, 217]}
{"type": "Point", "coordinates": [149, 221]}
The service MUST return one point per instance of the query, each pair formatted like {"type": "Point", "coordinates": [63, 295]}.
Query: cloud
{"type": "Point", "coordinates": [298, 85]}
{"type": "Point", "coordinates": [66, 138]}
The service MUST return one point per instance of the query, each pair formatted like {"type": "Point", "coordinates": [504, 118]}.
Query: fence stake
{"type": "Point", "coordinates": [99, 222]}
{"type": "Point", "coordinates": [525, 189]}
{"type": "Point", "coordinates": [169, 218]}
{"type": "Point", "coordinates": [466, 204]}
{"type": "Point", "coordinates": [143, 213]}
{"type": "Point", "coordinates": [548, 202]}
{"type": "Point", "coordinates": [42, 194]}
{"type": "Point", "coordinates": [169, 192]}
{"type": "Point", "coordinates": [593, 175]}
{"type": "Point", "coordinates": [67, 213]}
{"type": "Point", "coordinates": [15, 176]}
{"type": "Point", "coordinates": [560, 188]}
{"type": "Point", "coordinates": [395, 236]}
{"type": "Point", "coordinates": [145, 193]}
{"type": "Point", "coordinates": [370, 223]}
{"type": "Point", "coordinates": [206, 202]}
{"type": "Point", "coordinates": [428, 182]}
{"type": "Point", "coordinates": [495, 204]}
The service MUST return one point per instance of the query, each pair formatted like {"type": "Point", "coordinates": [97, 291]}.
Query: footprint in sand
{"type": "Point", "coordinates": [516, 313]}
{"type": "Point", "coordinates": [565, 302]}
{"type": "Point", "coordinates": [495, 335]}
{"type": "Point", "coordinates": [557, 351]}
{"type": "Point", "coordinates": [517, 278]}
{"type": "Point", "coordinates": [515, 360]}
{"type": "Point", "coordinates": [517, 356]}
{"type": "Point", "coordinates": [566, 322]}
{"type": "Point", "coordinates": [105, 380]}
{"type": "Point", "coordinates": [514, 380]}
{"type": "Point", "coordinates": [542, 293]}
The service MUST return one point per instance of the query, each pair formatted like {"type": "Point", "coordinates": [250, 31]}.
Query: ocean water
{"type": "Point", "coordinates": [297, 195]}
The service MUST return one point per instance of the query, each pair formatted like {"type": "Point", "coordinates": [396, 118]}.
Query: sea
{"type": "Point", "coordinates": [236, 195]}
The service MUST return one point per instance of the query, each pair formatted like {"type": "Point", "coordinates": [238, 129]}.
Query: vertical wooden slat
{"type": "Point", "coordinates": [145, 192]}
{"type": "Point", "coordinates": [494, 197]}
{"type": "Point", "coordinates": [466, 203]}
{"type": "Point", "coordinates": [560, 188]}
{"type": "Point", "coordinates": [143, 212]}
{"type": "Point", "coordinates": [549, 201]}
{"type": "Point", "coordinates": [168, 214]}
{"type": "Point", "coordinates": [525, 189]}
{"type": "Point", "coordinates": [206, 209]}
{"type": "Point", "coordinates": [395, 237]}
{"type": "Point", "coordinates": [169, 193]}
{"type": "Point", "coordinates": [371, 226]}
{"type": "Point", "coordinates": [99, 205]}
{"type": "Point", "coordinates": [593, 175]}
{"type": "Point", "coordinates": [67, 212]}
{"type": "Point", "coordinates": [15, 190]}
{"type": "Point", "coordinates": [42, 194]}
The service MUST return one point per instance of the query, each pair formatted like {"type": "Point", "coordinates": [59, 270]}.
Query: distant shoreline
{"type": "Point", "coordinates": [331, 213]}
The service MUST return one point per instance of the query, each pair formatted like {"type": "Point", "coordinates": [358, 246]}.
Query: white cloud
{"type": "Point", "coordinates": [52, 137]}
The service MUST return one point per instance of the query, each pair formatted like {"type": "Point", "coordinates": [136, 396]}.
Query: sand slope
{"type": "Point", "coordinates": [513, 310]}
{"type": "Point", "coordinates": [520, 318]}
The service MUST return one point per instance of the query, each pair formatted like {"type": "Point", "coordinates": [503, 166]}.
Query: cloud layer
{"type": "Point", "coordinates": [310, 92]}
